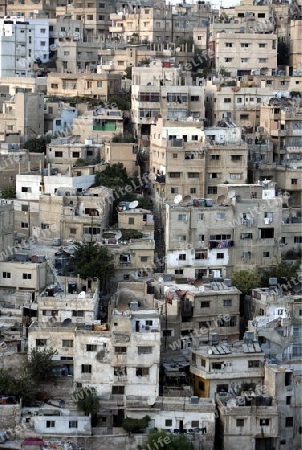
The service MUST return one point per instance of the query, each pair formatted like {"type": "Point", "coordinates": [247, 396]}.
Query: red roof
{"type": "Point", "coordinates": [32, 441]}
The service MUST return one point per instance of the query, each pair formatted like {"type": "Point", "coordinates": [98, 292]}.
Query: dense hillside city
{"type": "Point", "coordinates": [150, 225]}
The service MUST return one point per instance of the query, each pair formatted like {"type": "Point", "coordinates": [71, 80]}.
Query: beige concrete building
{"type": "Point", "coordinates": [125, 153]}
{"type": "Point", "coordinates": [101, 85]}
{"type": "Point", "coordinates": [244, 54]}
{"type": "Point", "coordinates": [295, 52]}
{"type": "Point", "coordinates": [99, 126]}
{"type": "Point", "coordinates": [47, 7]}
{"type": "Point", "coordinates": [24, 84]}
{"type": "Point", "coordinates": [6, 227]}
{"type": "Point", "coordinates": [189, 160]}
{"type": "Point", "coordinates": [63, 152]}
{"type": "Point", "coordinates": [14, 159]}
{"type": "Point", "coordinates": [22, 116]}
{"type": "Point", "coordinates": [242, 230]}
{"type": "Point", "coordinates": [24, 272]}
{"type": "Point", "coordinates": [226, 368]}
{"type": "Point", "coordinates": [76, 56]}
{"type": "Point", "coordinates": [247, 422]}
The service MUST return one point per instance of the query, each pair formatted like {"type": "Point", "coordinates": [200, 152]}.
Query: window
{"type": "Point", "coordinates": [239, 422]}
{"type": "Point", "coordinates": [239, 100]}
{"type": "Point", "coordinates": [261, 45]}
{"type": "Point", "coordinates": [220, 216]}
{"type": "Point", "coordinates": [145, 350]}
{"type": "Point", "coordinates": [204, 304]}
{"type": "Point", "coordinates": [212, 189]}
{"type": "Point", "coordinates": [99, 84]}
{"type": "Point", "coordinates": [193, 175]}
{"type": "Point", "coordinates": [50, 424]}
{"type": "Point", "coordinates": [67, 343]}
{"type": "Point", "coordinates": [288, 400]}
{"type": "Point", "coordinates": [131, 220]}
{"type": "Point", "coordinates": [142, 371]}
{"type": "Point", "coordinates": [174, 174]}
{"type": "Point", "coordinates": [26, 276]}
{"type": "Point", "coordinates": [266, 233]}
{"type": "Point", "coordinates": [228, 59]}
{"type": "Point", "coordinates": [86, 368]}
{"type": "Point", "coordinates": [73, 424]}
{"type": "Point", "coordinates": [294, 181]}
{"type": "Point", "coordinates": [264, 422]}
{"type": "Point", "coordinates": [175, 156]}
{"type": "Point", "coordinates": [213, 175]}
{"type": "Point", "coordinates": [265, 254]}
{"type": "Point", "coordinates": [235, 176]}
{"type": "Point", "coordinates": [73, 231]}
{"type": "Point", "coordinates": [216, 157]}
{"type": "Point", "coordinates": [120, 350]}
{"type": "Point", "coordinates": [227, 100]}
{"type": "Point", "coordinates": [118, 390]}
{"type": "Point", "coordinates": [24, 208]}
{"type": "Point", "coordinates": [289, 422]}
{"type": "Point", "coordinates": [41, 342]}
{"type": "Point", "coordinates": [181, 238]}
{"type": "Point", "coordinates": [253, 364]}
{"type": "Point", "coordinates": [236, 157]}
{"type": "Point", "coordinates": [167, 333]}
{"type": "Point", "coordinates": [58, 154]}
{"type": "Point", "coordinates": [246, 235]}
{"type": "Point", "coordinates": [192, 190]}
{"type": "Point", "coordinates": [6, 275]}
{"type": "Point", "coordinates": [201, 385]}
{"type": "Point", "coordinates": [178, 272]}
{"type": "Point", "coordinates": [44, 226]}
{"type": "Point", "coordinates": [229, 44]}
{"type": "Point", "coordinates": [78, 313]}
{"type": "Point", "coordinates": [262, 60]}
{"type": "Point", "coordinates": [244, 60]}
{"type": "Point", "coordinates": [25, 189]}
{"type": "Point", "coordinates": [182, 257]}
{"type": "Point", "coordinates": [227, 302]}
{"type": "Point", "coordinates": [201, 255]}
{"type": "Point", "coordinates": [182, 217]}
{"type": "Point", "coordinates": [174, 190]}
{"type": "Point", "coordinates": [195, 424]}
{"type": "Point", "coordinates": [91, 348]}
{"type": "Point", "coordinates": [220, 256]}
{"type": "Point", "coordinates": [194, 98]}
{"type": "Point", "coordinates": [297, 239]}
{"type": "Point", "coordinates": [168, 423]}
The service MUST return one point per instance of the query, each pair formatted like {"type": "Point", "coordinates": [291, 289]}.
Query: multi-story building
{"type": "Point", "coordinates": [295, 53]}
{"type": "Point", "coordinates": [74, 55]}
{"type": "Point", "coordinates": [242, 230]}
{"type": "Point", "coordinates": [24, 8]}
{"type": "Point", "coordinates": [99, 125]}
{"type": "Point", "coordinates": [22, 42]}
{"type": "Point", "coordinates": [6, 226]}
{"type": "Point", "coordinates": [250, 421]}
{"type": "Point", "coordinates": [223, 368]}
{"type": "Point", "coordinates": [160, 92]}
{"type": "Point", "coordinates": [283, 383]}
{"type": "Point", "coordinates": [22, 116]}
{"type": "Point", "coordinates": [125, 153]}
{"type": "Point", "coordinates": [62, 152]}
{"type": "Point", "coordinates": [93, 85]}
{"type": "Point", "coordinates": [241, 54]}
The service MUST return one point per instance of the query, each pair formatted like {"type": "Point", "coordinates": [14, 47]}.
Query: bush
{"type": "Point", "coordinates": [135, 425]}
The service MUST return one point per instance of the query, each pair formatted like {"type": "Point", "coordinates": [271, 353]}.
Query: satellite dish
{"type": "Point", "coordinates": [210, 352]}
{"type": "Point", "coordinates": [187, 198]}
{"type": "Point", "coordinates": [177, 199]}
{"type": "Point", "coordinates": [133, 205]}
{"type": "Point", "coordinates": [118, 235]}
{"type": "Point", "coordinates": [160, 280]}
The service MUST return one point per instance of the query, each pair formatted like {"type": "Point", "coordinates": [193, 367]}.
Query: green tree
{"type": "Point", "coordinates": [166, 441]}
{"type": "Point", "coordinates": [40, 365]}
{"type": "Point", "coordinates": [94, 261]}
{"type": "Point", "coordinates": [37, 145]}
{"type": "Point", "coordinates": [113, 177]}
{"type": "Point", "coordinates": [8, 192]}
{"type": "Point", "coordinates": [245, 280]}
{"type": "Point", "coordinates": [87, 401]}
{"type": "Point", "coordinates": [129, 72]}
{"type": "Point", "coordinates": [134, 425]}
{"type": "Point", "coordinates": [22, 387]}
{"type": "Point", "coordinates": [281, 270]}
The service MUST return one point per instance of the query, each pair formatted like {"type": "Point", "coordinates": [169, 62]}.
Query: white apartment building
{"type": "Point", "coordinates": [22, 42]}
